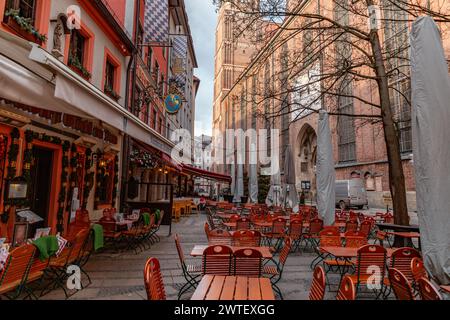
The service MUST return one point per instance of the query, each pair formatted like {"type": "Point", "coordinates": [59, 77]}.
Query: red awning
{"type": "Point", "coordinates": [171, 162]}
{"type": "Point", "coordinates": [206, 174]}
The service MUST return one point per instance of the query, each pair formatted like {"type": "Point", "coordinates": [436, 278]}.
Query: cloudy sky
{"type": "Point", "coordinates": [202, 20]}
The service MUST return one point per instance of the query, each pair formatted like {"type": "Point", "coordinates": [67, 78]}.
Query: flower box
{"type": "Point", "coordinates": [12, 23]}
{"type": "Point", "coordinates": [80, 72]}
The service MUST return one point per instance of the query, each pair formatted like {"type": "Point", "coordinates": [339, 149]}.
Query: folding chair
{"type": "Point", "coordinates": [217, 260]}
{"type": "Point", "coordinates": [427, 290]}
{"type": "Point", "coordinates": [295, 232]}
{"type": "Point", "coordinates": [277, 232]}
{"type": "Point", "coordinates": [190, 272]}
{"type": "Point", "coordinates": [311, 235]}
{"type": "Point", "coordinates": [275, 272]}
{"type": "Point", "coordinates": [246, 238]}
{"type": "Point", "coordinates": [317, 291]}
{"type": "Point", "coordinates": [15, 272]}
{"type": "Point", "coordinates": [346, 289]}
{"type": "Point", "coordinates": [248, 262]}
{"type": "Point", "coordinates": [400, 285]}
{"type": "Point", "coordinates": [153, 280]}
{"type": "Point", "coordinates": [370, 263]}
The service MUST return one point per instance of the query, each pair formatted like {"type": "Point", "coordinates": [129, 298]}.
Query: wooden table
{"type": "Point", "coordinates": [225, 216]}
{"type": "Point", "coordinates": [197, 251]}
{"type": "Point", "coordinates": [405, 234]}
{"type": "Point", "coordinates": [446, 288]}
{"type": "Point", "coordinates": [397, 227]}
{"type": "Point", "coordinates": [347, 252]}
{"type": "Point", "coordinates": [233, 288]}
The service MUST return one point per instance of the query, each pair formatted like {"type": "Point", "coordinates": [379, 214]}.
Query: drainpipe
{"type": "Point", "coordinates": [130, 83]}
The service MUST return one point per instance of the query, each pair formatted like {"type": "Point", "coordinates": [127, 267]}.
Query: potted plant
{"type": "Point", "coordinates": [111, 93]}
{"type": "Point", "coordinates": [76, 65]}
{"type": "Point", "coordinates": [23, 27]}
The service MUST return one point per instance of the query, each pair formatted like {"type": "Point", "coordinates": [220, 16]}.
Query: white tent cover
{"type": "Point", "coordinates": [431, 147]}
{"type": "Point", "coordinates": [326, 175]}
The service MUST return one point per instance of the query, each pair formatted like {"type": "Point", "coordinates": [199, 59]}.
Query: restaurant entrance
{"type": "Point", "coordinates": [40, 187]}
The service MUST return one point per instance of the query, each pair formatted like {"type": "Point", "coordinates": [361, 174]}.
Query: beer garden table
{"type": "Point", "coordinates": [213, 287]}
{"type": "Point", "coordinates": [197, 251]}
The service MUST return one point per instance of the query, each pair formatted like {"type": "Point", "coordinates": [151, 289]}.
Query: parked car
{"type": "Point", "coordinates": [351, 193]}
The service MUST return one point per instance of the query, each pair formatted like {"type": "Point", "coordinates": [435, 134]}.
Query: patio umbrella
{"type": "Point", "coordinates": [274, 195]}
{"type": "Point", "coordinates": [326, 175]}
{"type": "Point", "coordinates": [431, 131]}
{"type": "Point", "coordinates": [290, 194]}
{"type": "Point", "coordinates": [239, 188]}
{"type": "Point", "coordinates": [233, 179]}
{"type": "Point", "coordinates": [253, 179]}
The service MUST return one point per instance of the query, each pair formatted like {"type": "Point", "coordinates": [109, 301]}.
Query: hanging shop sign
{"type": "Point", "coordinates": [172, 103]}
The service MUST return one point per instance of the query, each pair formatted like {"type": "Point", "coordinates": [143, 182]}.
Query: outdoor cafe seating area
{"type": "Point", "coordinates": [242, 257]}
{"type": "Point", "coordinates": [35, 268]}
{"type": "Point", "coordinates": [247, 248]}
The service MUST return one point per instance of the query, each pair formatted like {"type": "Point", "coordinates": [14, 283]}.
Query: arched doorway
{"type": "Point", "coordinates": [305, 164]}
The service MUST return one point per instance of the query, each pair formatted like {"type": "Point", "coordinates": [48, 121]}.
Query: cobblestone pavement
{"type": "Point", "coordinates": [119, 276]}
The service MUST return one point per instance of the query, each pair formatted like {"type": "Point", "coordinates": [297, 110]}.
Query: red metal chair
{"type": "Point", "coordinates": [110, 232]}
{"type": "Point", "coordinates": [400, 285]}
{"type": "Point", "coordinates": [277, 232]}
{"type": "Point", "coordinates": [355, 242]}
{"type": "Point", "coordinates": [353, 216]}
{"type": "Point", "coordinates": [347, 289]}
{"type": "Point", "coordinates": [311, 235]}
{"type": "Point", "coordinates": [217, 260]}
{"type": "Point", "coordinates": [370, 265]}
{"type": "Point", "coordinates": [242, 223]}
{"type": "Point", "coordinates": [295, 231]}
{"type": "Point", "coordinates": [351, 225]}
{"type": "Point", "coordinates": [247, 238]}
{"type": "Point", "coordinates": [401, 260]}
{"type": "Point", "coordinates": [427, 290]}
{"type": "Point", "coordinates": [327, 238]}
{"type": "Point", "coordinates": [190, 272]}
{"type": "Point", "coordinates": [275, 272]}
{"type": "Point", "coordinates": [15, 271]}
{"type": "Point", "coordinates": [381, 236]}
{"type": "Point", "coordinates": [247, 262]}
{"type": "Point", "coordinates": [365, 227]}
{"type": "Point", "coordinates": [207, 229]}
{"type": "Point", "coordinates": [154, 284]}
{"type": "Point", "coordinates": [388, 218]}
{"type": "Point", "coordinates": [220, 236]}
{"type": "Point", "coordinates": [57, 266]}
{"type": "Point", "coordinates": [418, 270]}
{"type": "Point", "coordinates": [355, 239]}
{"type": "Point", "coordinates": [317, 291]}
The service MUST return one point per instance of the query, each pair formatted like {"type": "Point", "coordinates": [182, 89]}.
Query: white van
{"type": "Point", "coordinates": [351, 193]}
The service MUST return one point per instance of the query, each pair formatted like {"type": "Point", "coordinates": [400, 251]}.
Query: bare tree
{"type": "Point", "coordinates": [321, 51]}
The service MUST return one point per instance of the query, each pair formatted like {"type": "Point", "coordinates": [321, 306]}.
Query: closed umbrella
{"type": "Point", "coordinates": [239, 188]}
{"type": "Point", "coordinates": [274, 195]}
{"type": "Point", "coordinates": [326, 176]}
{"type": "Point", "coordinates": [290, 194]}
{"type": "Point", "coordinates": [253, 179]}
{"type": "Point", "coordinates": [431, 131]}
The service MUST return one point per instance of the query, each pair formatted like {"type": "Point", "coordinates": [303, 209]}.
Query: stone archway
{"type": "Point", "coordinates": [306, 155]}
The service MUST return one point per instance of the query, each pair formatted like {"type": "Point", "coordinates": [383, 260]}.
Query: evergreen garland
{"type": "Point", "coordinates": [116, 180]}
{"type": "Point", "coordinates": [88, 177]}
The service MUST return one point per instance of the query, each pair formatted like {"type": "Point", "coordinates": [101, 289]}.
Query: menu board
{"type": "Point", "coordinates": [30, 216]}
